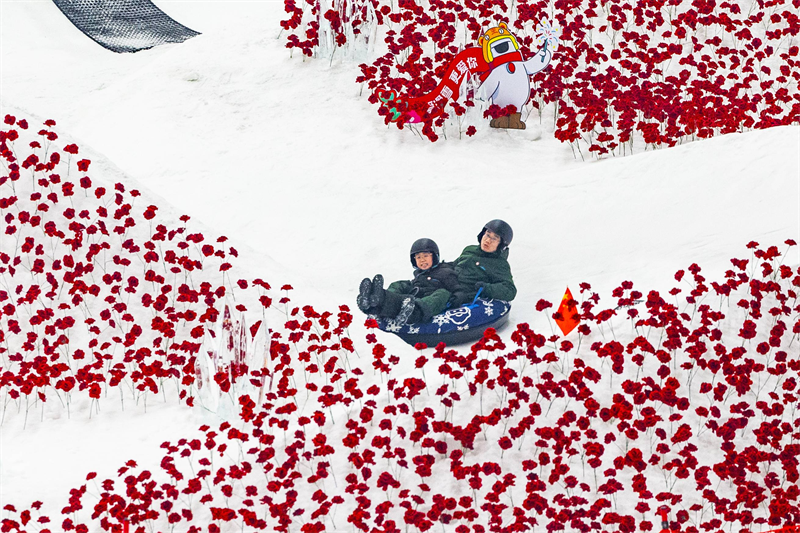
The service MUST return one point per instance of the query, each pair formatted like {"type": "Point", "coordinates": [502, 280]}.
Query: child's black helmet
{"type": "Point", "coordinates": [500, 228]}
{"type": "Point", "coordinates": [424, 245]}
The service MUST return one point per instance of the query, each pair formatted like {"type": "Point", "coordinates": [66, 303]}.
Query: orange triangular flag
{"type": "Point", "coordinates": [568, 311]}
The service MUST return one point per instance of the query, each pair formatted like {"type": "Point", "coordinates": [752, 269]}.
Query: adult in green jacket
{"type": "Point", "coordinates": [485, 267]}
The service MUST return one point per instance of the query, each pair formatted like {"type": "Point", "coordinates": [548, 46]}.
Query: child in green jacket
{"type": "Point", "coordinates": [416, 300]}
{"type": "Point", "coordinates": [485, 267]}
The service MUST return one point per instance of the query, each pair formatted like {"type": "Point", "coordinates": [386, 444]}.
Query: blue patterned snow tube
{"type": "Point", "coordinates": [455, 326]}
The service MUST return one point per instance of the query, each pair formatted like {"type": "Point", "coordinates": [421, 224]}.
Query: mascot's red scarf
{"type": "Point", "coordinates": [468, 62]}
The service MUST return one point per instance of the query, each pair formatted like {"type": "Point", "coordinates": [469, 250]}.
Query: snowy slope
{"type": "Point", "coordinates": [285, 157]}
{"type": "Point", "coordinates": [280, 145]}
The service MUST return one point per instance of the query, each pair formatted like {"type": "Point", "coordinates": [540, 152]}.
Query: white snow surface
{"type": "Point", "coordinates": [286, 158]}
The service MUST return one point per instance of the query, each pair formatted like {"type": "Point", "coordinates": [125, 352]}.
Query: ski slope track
{"type": "Point", "coordinates": [288, 160]}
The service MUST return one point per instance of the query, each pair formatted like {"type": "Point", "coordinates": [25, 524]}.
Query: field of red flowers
{"type": "Point", "coordinates": [658, 71]}
{"type": "Point", "coordinates": [683, 403]}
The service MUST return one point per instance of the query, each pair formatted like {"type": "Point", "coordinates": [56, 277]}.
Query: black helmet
{"type": "Point", "coordinates": [424, 245]}
{"type": "Point", "coordinates": [501, 229]}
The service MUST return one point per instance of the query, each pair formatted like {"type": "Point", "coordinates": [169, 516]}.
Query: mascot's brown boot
{"type": "Point", "coordinates": [515, 122]}
{"type": "Point", "coordinates": [499, 122]}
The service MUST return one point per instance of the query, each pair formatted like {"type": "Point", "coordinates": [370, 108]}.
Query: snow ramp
{"type": "Point", "coordinates": [124, 25]}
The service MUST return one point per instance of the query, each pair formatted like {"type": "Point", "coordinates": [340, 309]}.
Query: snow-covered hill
{"type": "Point", "coordinates": [231, 130]}
{"type": "Point", "coordinates": [289, 160]}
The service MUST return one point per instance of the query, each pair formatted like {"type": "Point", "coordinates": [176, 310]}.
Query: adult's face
{"type": "Point", "coordinates": [490, 241]}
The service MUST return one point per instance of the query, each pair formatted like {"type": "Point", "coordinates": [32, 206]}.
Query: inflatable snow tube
{"type": "Point", "coordinates": [459, 325]}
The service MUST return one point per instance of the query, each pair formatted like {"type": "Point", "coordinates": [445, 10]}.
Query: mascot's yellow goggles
{"type": "Point", "coordinates": [497, 41]}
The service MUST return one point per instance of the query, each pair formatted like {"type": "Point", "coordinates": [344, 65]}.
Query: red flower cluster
{"type": "Point", "coordinates": [683, 403]}
{"type": "Point", "coordinates": [101, 294]}
{"type": "Point", "coordinates": [626, 70]}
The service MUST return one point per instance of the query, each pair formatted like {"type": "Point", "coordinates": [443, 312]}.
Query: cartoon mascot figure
{"type": "Point", "coordinates": [504, 74]}
{"type": "Point", "coordinates": [508, 81]}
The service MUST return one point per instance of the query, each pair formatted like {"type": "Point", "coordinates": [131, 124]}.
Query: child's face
{"type": "Point", "coordinates": [424, 260]}
{"type": "Point", "coordinates": [490, 241]}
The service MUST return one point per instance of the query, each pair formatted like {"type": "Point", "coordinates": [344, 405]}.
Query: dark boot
{"type": "Point", "coordinates": [406, 310]}
{"type": "Point", "coordinates": [377, 294]}
{"type": "Point", "coordinates": [416, 317]}
{"type": "Point", "coordinates": [515, 122]}
{"type": "Point", "coordinates": [364, 290]}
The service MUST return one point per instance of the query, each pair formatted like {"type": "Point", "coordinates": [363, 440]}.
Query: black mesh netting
{"type": "Point", "coordinates": [124, 25]}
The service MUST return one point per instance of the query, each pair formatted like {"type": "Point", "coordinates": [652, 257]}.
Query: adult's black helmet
{"type": "Point", "coordinates": [500, 228]}
{"type": "Point", "coordinates": [424, 245]}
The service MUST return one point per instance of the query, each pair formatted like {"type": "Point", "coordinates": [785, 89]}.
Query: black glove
{"type": "Point", "coordinates": [480, 285]}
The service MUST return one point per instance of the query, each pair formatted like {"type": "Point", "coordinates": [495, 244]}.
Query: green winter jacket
{"type": "Point", "coordinates": [492, 269]}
